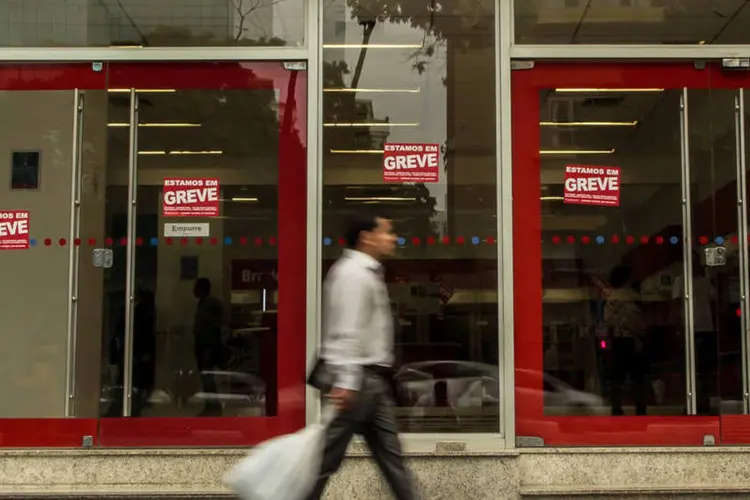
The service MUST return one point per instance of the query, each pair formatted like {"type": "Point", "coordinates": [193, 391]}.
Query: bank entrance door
{"type": "Point", "coordinates": [631, 254]}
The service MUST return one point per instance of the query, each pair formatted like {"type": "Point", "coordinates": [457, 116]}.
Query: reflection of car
{"type": "Point", "coordinates": [557, 395]}
{"type": "Point", "coordinates": [447, 383]}
{"type": "Point", "coordinates": [460, 384]}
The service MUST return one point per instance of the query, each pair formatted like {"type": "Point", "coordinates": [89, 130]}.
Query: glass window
{"type": "Point", "coordinates": [631, 21]}
{"type": "Point", "coordinates": [423, 78]}
{"type": "Point", "coordinates": [151, 23]}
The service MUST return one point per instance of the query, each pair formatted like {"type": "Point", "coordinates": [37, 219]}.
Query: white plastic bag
{"type": "Point", "coordinates": [283, 468]}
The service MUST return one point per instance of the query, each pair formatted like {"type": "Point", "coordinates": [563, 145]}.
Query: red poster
{"type": "Point", "coordinates": [191, 198]}
{"type": "Point", "coordinates": [411, 163]}
{"type": "Point", "coordinates": [14, 229]}
{"type": "Point", "coordinates": [592, 185]}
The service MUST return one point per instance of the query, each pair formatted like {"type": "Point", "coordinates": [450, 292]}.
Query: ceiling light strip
{"type": "Point", "coordinates": [589, 124]}
{"type": "Point", "coordinates": [609, 90]}
{"type": "Point", "coordinates": [576, 152]}
{"type": "Point", "coordinates": [384, 91]}
{"type": "Point", "coordinates": [155, 125]}
{"type": "Point", "coordinates": [372, 45]}
{"type": "Point", "coordinates": [371, 124]}
{"type": "Point", "coordinates": [143, 91]}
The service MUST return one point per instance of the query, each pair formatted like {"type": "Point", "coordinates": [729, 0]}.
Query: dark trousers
{"type": "Point", "coordinates": [372, 417]}
{"type": "Point", "coordinates": [628, 360]}
{"type": "Point", "coordinates": [208, 358]}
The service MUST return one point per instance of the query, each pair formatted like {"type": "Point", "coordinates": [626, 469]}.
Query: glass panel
{"type": "Point", "coordinates": [612, 345]}
{"type": "Point", "coordinates": [631, 21]}
{"type": "Point", "coordinates": [715, 260]}
{"type": "Point", "coordinates": [421, 76]}
{"type": "Point", "coordinates": [204, 317]}
{"type": "Point", "coordinates": [151, 23]}
{"type": "Point", "coordinates": [34, 228]}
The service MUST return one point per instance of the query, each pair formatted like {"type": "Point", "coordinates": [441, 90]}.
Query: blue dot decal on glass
{"type": "Point", "coordinates": [402, 241]}
{"type": "Point", "coordinates": [326, 241]}
{"type": "Point", "coordinates": [153, 241]}
{"type": "Point", "coordinates": [32, 242]}
{"type": "Point", "coordinates": [475, 240]}
{"type": "Point", "coordinates": [600, 240]}
{"type": "Point", "coordinates": [228, 240]}
{"type": "Point", "coordinates": [719, 240]}
{"type": "Point", "coordinates": [674, 240]}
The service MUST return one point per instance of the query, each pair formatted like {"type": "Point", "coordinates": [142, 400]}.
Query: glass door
{"type": "Point", "coordinates": [607, 159]}
{"type": "Point", "coordinates": [205, 220]}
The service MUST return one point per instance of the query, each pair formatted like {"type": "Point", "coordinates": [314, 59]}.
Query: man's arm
{"type": "Point", "coordinates": [349, 304]}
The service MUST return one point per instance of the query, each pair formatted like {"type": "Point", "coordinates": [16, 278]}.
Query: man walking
{"type": "Point", "coordinates": [358, 354]}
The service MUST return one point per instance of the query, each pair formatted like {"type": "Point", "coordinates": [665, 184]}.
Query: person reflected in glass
{"type": "Point", "coordinates": [627, 329]}
{"type": "Point", "coordinates": [207, 330]}
{"type": "Point", "coordinates": [706, 345]}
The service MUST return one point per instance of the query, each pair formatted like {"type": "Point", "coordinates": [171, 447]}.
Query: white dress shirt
{"type": "Point", "coordinates": [357, 320]}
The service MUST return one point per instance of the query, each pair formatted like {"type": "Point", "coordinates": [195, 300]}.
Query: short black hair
{"type": "Point", "coordinates": [619, 276]}
{"type": "Point", "coordinates": [203, 285]}
{"type": "Point", "coordinates": [357, 226]}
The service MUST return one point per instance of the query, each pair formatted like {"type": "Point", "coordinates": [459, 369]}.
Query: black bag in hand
{"type": "Point", "coordinates": [321, 377]}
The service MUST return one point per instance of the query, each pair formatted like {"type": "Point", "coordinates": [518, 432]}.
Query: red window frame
{"type": "Point", "coordinates": [291, 241]}
{"type": "Point", "coordinates": [527, 231]}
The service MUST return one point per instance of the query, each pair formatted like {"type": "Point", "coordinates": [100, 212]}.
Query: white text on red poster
{"type": "Point", "coordinates": [592, 185]}
{"type": "Point", "coordinates": [14, 229]}
{"type": "Point", "coordinates": [411, 163]}
{"type": "Point", "coordinates": [191, 198]}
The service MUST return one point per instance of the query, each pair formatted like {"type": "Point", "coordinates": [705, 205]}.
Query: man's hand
{"type": "Point", "coordinates": [342, 398]}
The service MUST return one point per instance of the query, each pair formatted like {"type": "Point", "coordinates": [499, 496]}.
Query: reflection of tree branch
{"type": "Point", "coordinates": [369, 27]}
{"type": "Point", "coordinates": [243, 13]}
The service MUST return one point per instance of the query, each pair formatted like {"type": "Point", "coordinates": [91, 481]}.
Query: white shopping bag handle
{"type": "Point", "coordinates": [328, 413]}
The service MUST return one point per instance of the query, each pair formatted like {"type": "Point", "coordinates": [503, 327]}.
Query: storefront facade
{"type": "Point", "coordinates": [531, 313]}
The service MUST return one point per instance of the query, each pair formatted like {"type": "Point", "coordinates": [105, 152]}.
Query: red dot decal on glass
{"type": "Point", "coordinates": [258, 242]}
{"type": "Point", "coordinates": [62, 242]}
{"type": "Point", "coordinates": [77, 242]}
{"type": "Point", "coordinates": [629, 240]}
{"type": "Point", "coordinates": [490, 240]}
{"type": "Point", "coordinates": [123, 241]}
{"type": "Point", "coordinates": [659, 240]}
{"type": "Point", "coordinates": [415, 241]}
{"type": "Point", "coordinates": [571, 239]}
{"type": "Point", "coordinates": [214, 241]}
{"type": "Point", "coordinates": [703, 240]}
{"type": "Point", "coordinates": [47, 242]}
{"type": "Point", "coordinates": [430, 240]}
{"type": "Point", "coordinates": [184, 241]}
{"type": "Point", "coordinates": [460, 240]}
{"type": "Point", "coordinates": [109, 242]}
{"type": "Point", "coordinates": [272, 241]}
{"type": "Point", "coordinates": [615, 239]}
{"type": "Point", "coordinates": [738, 312]}
{"type": "Point", "coordinates": [243, 240]}
{"type": "Point", "coordinates": [446, 240]}
{"type": "Point", "coordinates": [555, 240]}
{"type": "Point", "coordinates": [199, 241]}
{"type": "Point", "coordinates": [644, 240]}
{"type": "Point", "coordinates": [169, 241]}
{"type": "Point", "coordinates": [92, 242]}
{"type": "Point", "coordinates": [586, 240]}
{"type": "Point", "coordinates": [139, 241]}
{"type": "Point", "coordinates": [735, 239]}
{"type": "Point", "coordinates": [341, 242]}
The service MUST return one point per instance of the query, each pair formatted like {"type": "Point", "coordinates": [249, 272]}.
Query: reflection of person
{"type": "Point", "coordinates": [627, 329]}
{"type": "Point", "coordinates": [209, 320]}
{"type": "Point", "coordinates": [706, 347]}
{"type": "Point", "coordinates": [358, 350]}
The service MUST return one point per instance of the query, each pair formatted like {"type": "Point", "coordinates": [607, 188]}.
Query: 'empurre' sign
{"type": "Point", "coordinates": [191, 198]}
{"type": "Point", "coordinates": [592, 185]}
{"type": "Point", "coordinates": [411, 163]}
{"type": "Point", "coordinates": [14, 229]}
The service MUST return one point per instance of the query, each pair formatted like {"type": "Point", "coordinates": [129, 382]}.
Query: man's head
{"type": "Point", "coordinates": [619, 277]}
{"type": "Point", "coordinates": [372, 235]}
{"type": "Point", "coordinates": [202, 288]}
